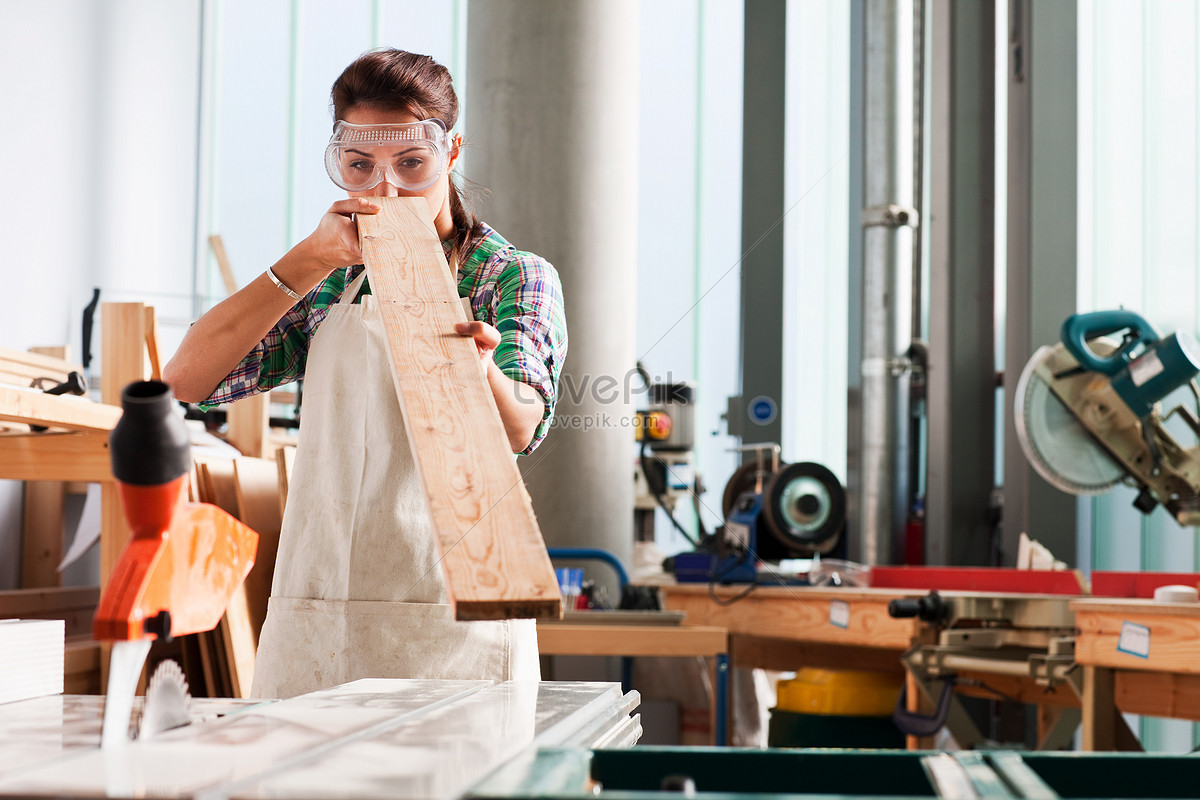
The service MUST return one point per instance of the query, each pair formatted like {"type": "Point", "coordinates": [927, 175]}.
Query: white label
{"type": "Point", "coordinates": [1134, 640]}
{"type": "Point", "coordinates": [1145, 368]}
{"type": "Point", "coordinates": [839, 613]}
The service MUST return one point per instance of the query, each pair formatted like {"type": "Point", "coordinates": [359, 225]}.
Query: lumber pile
{"type": "Point", "coordinates": [220, 663]}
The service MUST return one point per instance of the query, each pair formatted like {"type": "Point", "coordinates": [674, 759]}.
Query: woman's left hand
{"type": "Point", "coordinates": [486, 337]}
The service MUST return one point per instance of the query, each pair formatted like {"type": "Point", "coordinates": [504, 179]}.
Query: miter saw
{"type": "Point", "coordinates": [177, 574]}
{"type": "Point", "coordinates": [771, 513]}
{"type": "Point", "coordinates": [1088, 411]}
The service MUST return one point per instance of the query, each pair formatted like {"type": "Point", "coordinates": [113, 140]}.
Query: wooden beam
{"type": "Point", "coordinates": [493, 554]}
{"type": "Point", "coordinates": [285, 458]}
{"type": "Point", "coordinates": [42, 545]}
{"type": "Point", "coordinates": [842, 616]}
{"type": "Point", "coordinates": [1099, 712]}
{"type": "Point", "coordinates": [37, 362]}
{"type": "Point", "coordinates": [218, 248]}
{"type": "Point", "coordinates": [593, 639]}
{"type": "Point", "coordinates": [151, 325]}
{"type": "Point", "coordinates": [256, 482]}
{"type": "Point", "coordinates": [33, 407]}
{"type": "Point", "coordinates": [249, 424]}
{"type": "Point", "coordinates": [56, 456]}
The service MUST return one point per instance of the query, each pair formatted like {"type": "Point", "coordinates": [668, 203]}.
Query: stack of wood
{"type": "Point", "coordinates": [220, 663]}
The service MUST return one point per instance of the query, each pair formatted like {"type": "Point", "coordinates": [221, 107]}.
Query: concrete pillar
{"type": "Point", "coordinates": [551, 110]}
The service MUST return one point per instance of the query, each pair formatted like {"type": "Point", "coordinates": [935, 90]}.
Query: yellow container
{"type": "Point", "coordinates": [845, 693]}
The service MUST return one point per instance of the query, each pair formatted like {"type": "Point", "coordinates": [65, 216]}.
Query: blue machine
{"type": "Point", "coordinates": [793, 511]}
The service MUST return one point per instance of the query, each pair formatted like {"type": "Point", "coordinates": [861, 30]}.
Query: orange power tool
{"type": "Point", "coordinates": [185, 560]}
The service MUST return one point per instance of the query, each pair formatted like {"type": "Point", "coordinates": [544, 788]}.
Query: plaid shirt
{"type": "Point", "coordinates": [517, 292]}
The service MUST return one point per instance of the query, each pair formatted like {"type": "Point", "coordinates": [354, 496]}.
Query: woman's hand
{"type": "Point", "coordinates": [521, 407]}
{"type": "Point", "coordinates": [334, 244]}
{"type": "Point", "coordinates": [486, 337]}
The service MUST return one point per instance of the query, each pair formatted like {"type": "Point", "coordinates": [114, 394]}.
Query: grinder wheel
{"type": "Point", "coordinates": [805, 506]}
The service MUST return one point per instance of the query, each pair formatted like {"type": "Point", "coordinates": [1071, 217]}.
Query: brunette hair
{"type": "Point", "coordinates": [396, 80]}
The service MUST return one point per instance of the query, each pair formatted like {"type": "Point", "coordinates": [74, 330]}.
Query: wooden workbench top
{"type": "Point", "coordinates": [835, 615]}
{"type": "Point", "coordinates": [1138, 634]}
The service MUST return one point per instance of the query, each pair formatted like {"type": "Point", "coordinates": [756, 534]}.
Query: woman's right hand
{"type": "Point", "coordinates": [334, 244]}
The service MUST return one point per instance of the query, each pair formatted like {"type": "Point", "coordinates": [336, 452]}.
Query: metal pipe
{"type": "Point", "coordinates": [888, 221]}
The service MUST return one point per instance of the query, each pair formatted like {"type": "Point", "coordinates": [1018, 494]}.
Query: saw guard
{"type": "Point", "coordinates": [188, 563]}
{"type": "Point", "coordinates": [1073, 461]}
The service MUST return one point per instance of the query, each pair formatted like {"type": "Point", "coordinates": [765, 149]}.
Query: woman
{"type": "Point", "coordinates": [357, 591]}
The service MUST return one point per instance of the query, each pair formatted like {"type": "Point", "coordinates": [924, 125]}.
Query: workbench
{"type": "Point", "coordinates": [785, 628]}
{"type": "Point", "coordinates": [1139, 657]}
{"type": "Point", "coordinates": [418, 740]}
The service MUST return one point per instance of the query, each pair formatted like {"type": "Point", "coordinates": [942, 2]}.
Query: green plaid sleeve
{"type": "Point", "coordinates": [533, 329]}
{"type": "Point", "coordinates": [281, 356]}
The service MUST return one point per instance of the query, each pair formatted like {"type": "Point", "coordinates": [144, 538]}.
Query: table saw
{"type": "Point", "coordinates": [421, 740]}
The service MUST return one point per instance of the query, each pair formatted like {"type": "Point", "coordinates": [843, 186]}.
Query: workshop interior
{"type": "Point", "coordinates": [874, 467]}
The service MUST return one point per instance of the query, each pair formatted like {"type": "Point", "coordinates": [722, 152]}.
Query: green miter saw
{"type": "Point", "coordinates": [1088, 412]}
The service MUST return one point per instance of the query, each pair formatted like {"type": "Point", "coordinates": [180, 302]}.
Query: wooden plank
{"type": "Point", "coordinates": [217, 483]}
{"type": "Point", "coordinates": [81, 666]}
{"type": "Point", "coordinates": [74, 605]}
{"type": "Point", "coordinates": [33, 407]}
{"type": "Point", "coordinates": [285, 457]}
{"type": "Point", "coordinates": [42, 545]}
{"type": "Point", "coordinates": [38, 362]}
{"type": "Point", "coordinates": [835, 616]}
{"type": "Point", "coordinates": [249, 423]}
{"type": "Point", "coordinates": [256, 486]}
{"type": "Point", "coordinates": [218, 247]}
{"type": "Point", "coordinates": [561, 639]}
{"type": "Point", "coordinates": [493, 554]}
{"type": "Point", "coordinates": [1155, 694]}
{"type": "Point", "coordinates": [1162, 637]}
{"type": "Point", "coordinates": [239, 644]}
{"type": "Point", "coordinates": [56, 456]}
{"type": "Point", "coordinates": [151, 325]}
{"type": "Point", "coordinates": [790, 655]}
{"type": "Point", "coordinates": [37, 603]}
{"type": "Point", "coordinates": [123, 359]}
{"type": "Point", "coordinates": [1098, 728]}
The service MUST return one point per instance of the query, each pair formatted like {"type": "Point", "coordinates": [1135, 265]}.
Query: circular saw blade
{"type": "Point", "coordinates": [1056, 443]}
{"type": "Point", "coordinates": [167, 701]}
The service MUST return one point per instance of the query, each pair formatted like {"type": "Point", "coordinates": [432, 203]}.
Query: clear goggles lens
{"type": "Point", "coordinates": [409, 156]}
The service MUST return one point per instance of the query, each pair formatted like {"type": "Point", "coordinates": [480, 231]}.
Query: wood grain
{"type": "Point", "coordinates": [218, 247]}
{"type": "Point", "coordinates": [22, 367]}
{"type": "Point", "coordinates": [256, 483]}
{"type": "Point", "coordinates": [42, 545]}
{"type": "Point", "coordinates": [1174, 634]}
{"type": "Point", "coordinates": [57, 411]}
{"type": "Point", "coordinates": [494, 558]}
{"type": "Point", "coordinates": [229, 651]}
{"type": "Point", "coordinates": [249, 424]}
{"type": "Point", "coordinates": [800, 613]}
{"type": "Point", "coordinates": [1157, 694]}
{"type": "Point", "coordinates": [561, 639]}
{"type": "Point", "coordinates": [285, 458]}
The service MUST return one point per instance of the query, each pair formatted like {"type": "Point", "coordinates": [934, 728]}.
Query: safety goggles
{"type": "Point", "coordinates": [410, 156]}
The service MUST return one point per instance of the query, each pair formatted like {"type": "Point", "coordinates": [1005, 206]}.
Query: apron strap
{"type": "Point", "coordinates": [352, 290]}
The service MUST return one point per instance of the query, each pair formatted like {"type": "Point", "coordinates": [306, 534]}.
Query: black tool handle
{"type": "Point", "coordinates": [930, 608]}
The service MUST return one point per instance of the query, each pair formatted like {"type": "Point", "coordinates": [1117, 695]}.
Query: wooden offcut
{"type": "Point", "coordinates": [493, 555]}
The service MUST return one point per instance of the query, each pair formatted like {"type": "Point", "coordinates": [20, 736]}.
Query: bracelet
{"type": "Point", "coordinates": [282, 286]}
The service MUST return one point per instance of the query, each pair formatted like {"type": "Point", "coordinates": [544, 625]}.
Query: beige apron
{"type": "Point", "coordinates": [357, 591]}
